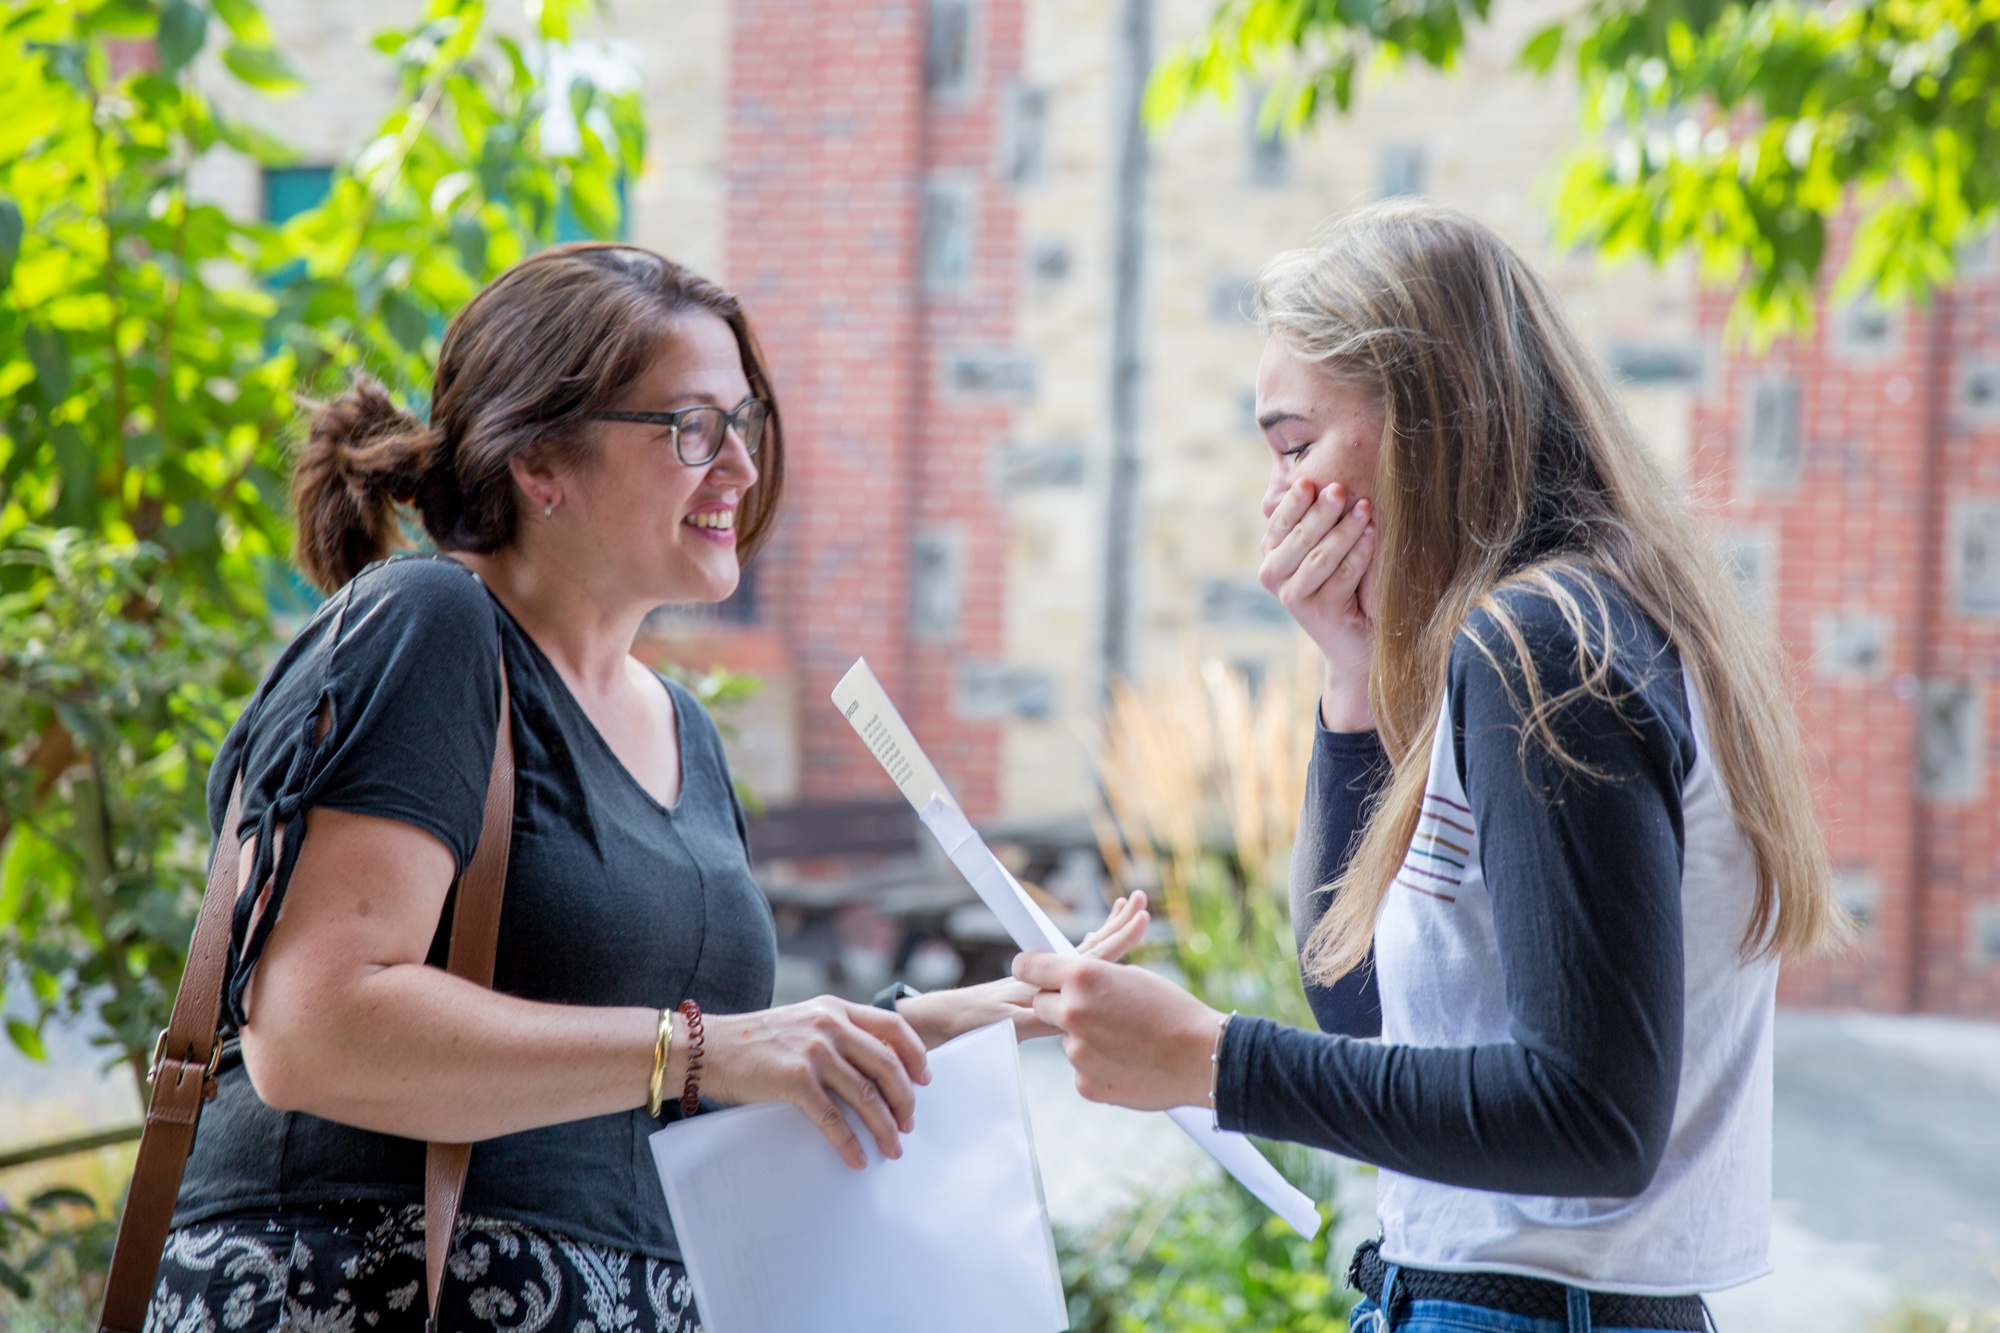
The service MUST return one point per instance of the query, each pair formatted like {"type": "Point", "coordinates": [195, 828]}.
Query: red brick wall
{"type": "Point", "coordinates": [1862, 531]}
{"type": "Point", "coordinates": [832, 139]}
{"type": "Point", "coordinates": [1963, 837]}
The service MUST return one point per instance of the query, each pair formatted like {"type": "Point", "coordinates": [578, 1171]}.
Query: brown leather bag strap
{"type": "Point", "coordinates": [183, 1078]}
{"type": "Point", "coordinates": [185, 1058]}
{"type": "Point", "coordinates": [475, 938]}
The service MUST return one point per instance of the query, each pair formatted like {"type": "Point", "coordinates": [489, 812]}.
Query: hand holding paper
{"type": "Point", "coordinates": [865, 705]}
{"type": "Point", "coordinates": [1134, 1037]}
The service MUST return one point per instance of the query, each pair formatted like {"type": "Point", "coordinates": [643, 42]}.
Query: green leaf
{"type": "Point", "coordinates": [245, 20]}
{"type": "Point", "coordinates": [11, 231]}
{"type": "Point", "coordinates": [26, 1040]}
{"type": "Point", "coordinates": [15, 1281]}
{"type": "Point", "coordinates": [144, 449]}
{"type": "Point", "coordinates": [264, 148]}
{"type": "Point", "coordinates": [406, 321]}
{"type": "Point", "coordinates": [48, 350]}
{"type": "Point", "coordinates": [262, 67]}
{"type": "Point", "coordinates": [183, 29]}
{"type": "Point", "coordinates": [58, 1195]}
{"type": "Point", "coordinates": [468, 238]}
{"type": "Point", "coordinates": [1542, 49]}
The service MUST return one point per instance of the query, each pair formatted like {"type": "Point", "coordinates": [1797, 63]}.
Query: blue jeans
{"type": "Point", "coordinates": [1452, 1317]}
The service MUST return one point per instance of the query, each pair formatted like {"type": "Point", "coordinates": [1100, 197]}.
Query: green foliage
{"type": "Point", "coordinates": [1308, 52]}
{"type": "Point", "coordinates": [151, 346]}
{"type": "Point", "coordinates": [1199, 778]}
{"type": "Point", "coordinates": [126, 691]}
{"type": "Point", "coordinates": [53, 1251]}
{"type": "Point", "coordinates": [1742, 140]}
{"type": "Point", "coordinates": [1208, 1257]}
{"type": "Point", "coordinates": [1235, 947]}
{"type": "Point", "coordinates": [138, 399]}
{"type": "Point", "coordinates": [1738, 132]}
{"type": "Point", "coordinates": [460, 182]}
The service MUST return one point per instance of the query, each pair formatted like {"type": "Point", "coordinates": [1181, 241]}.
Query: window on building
{"type": "Point", "coordinates": [1851, 645]}
{"type": "Point", "coordinates": [948, 54]}
{"type": "Point", "coordinates": [999, 374]}
{"type": "Point", "coordinates": [290, 191]}
{"type": "Point", "coordinates": [1270, 153]}
{"type": "Point", "coordinates": [1024, 159]}
{"type": "Point", "coordinates": [1986, 933]}
{"type": "Point", "coordinates": [1771, 433]}
{"type": "Point", "coordinates": [947, 236]}
{"type": "Point", "coordinates": [991, 692]}
{"type": "Point", "coordinates": [1024, 467]}
{"type": "Point", "coordinates": [1240, 602]}
{"type": "Point", "coordinates": [1857, 888]}
{"type": "Point", "coordinates": [1979, 392]}
{"type": "Point", "coordinates": [1655, 363]}
{"type": "Point", "coordinates": [1975, 556]}
{"type": "Point", "coordinates": [937, 583]}
{"type": "Point", "coordinates": [1752, 558]}
{"type": "Point", "coordinates": [1050, 261]}
{"type": "Point", "coordinates": [1864, 329]}
{"type": "Point", "coordinates": [1951, 748]}
{"type": "Point", "coordinates": [1402, 170]}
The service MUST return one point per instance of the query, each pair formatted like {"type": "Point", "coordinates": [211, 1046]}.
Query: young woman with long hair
{"type": "Point", "coordinates": [1558, 833]}
{"type": "Point", "coordinates": [602, 439]}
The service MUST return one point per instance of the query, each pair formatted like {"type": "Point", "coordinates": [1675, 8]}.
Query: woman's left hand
{"type": "Point", "coordinates": [942, 1015]}
{"type": "Point", "coordinates": [1134, 1038]}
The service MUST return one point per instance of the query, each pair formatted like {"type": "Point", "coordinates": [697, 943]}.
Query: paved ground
{"type": "Point", "coordinates": [1887, 1162]}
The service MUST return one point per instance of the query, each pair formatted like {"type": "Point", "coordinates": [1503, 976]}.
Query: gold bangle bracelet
{"type": "Point", "coordinates": [663, 1048]}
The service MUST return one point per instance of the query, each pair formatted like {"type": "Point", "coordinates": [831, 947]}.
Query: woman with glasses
{"type": "Point", "coordinates": [602, 440]}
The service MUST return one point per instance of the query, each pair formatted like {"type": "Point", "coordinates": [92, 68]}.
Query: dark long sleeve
{"type": "Point", "coordinates": [1348, 768]}
{"type": "Point", "coordinates": [1583, 872]}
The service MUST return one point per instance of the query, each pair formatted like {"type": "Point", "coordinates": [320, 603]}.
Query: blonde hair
{"type": "Point", "coordinates": [1506, 461]}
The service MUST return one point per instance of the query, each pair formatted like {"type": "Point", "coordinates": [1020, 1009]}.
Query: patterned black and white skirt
{"type": "Point", "coordinates": [359, 1268]}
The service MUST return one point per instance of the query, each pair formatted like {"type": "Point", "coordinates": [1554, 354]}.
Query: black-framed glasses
{"type": "Point", "coordinates": [698, 432]}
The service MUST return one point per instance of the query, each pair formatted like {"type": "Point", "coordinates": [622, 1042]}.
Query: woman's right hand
{"type": "Point", "coordinates": [1317, 548]}
{"type": "Point", "coordinates": [817, 1056]}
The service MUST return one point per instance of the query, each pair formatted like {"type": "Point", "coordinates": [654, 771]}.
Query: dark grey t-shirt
{"type": "Point", "coordinates": [612, 899]}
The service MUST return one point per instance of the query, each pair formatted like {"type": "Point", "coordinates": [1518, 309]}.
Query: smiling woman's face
{"type": "Point", "coordinates": [1320, 430]}
{"type": "Point", "coordinates": [667, 528]}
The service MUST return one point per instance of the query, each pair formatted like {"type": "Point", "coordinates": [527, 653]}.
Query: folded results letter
{"type": "Point", "coordinates": [779, 1235]}
{"type": "Point", "coordinates": [866, 706]}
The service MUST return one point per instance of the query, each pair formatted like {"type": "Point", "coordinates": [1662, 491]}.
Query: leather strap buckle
{"type": "Point", "coordinates": [208, 1074]}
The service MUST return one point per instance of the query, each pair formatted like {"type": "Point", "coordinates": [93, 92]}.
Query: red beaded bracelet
{"type": "Point", "coordinates": [691, 1090]}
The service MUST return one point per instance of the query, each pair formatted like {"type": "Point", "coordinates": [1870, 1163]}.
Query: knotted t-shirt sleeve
{"type": "Point", "coordinates": [404, 667]}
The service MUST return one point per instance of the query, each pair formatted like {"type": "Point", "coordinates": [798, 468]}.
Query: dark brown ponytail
{"type": "Point", "coordinates": [525, 365]}
{"type": "Point", "coordinates": [362, 455]}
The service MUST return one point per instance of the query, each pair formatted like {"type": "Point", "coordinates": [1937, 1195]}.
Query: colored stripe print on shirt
{"type": "Point", "coordinates": [1440, 849]}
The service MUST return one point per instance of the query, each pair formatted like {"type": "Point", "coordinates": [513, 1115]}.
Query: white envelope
{"type": "Point", "coordinates": [780, 1236]}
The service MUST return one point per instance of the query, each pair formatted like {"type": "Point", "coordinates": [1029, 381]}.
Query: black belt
{"type": "Point", "coordinates": [1534, 1297]}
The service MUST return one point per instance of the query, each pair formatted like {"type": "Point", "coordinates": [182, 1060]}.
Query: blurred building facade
{"type": "Point", "coordinates": [931, 210]}
{"type": "Point", "coordinates": [1856, 476]}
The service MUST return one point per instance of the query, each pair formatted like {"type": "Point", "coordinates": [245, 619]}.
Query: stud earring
{"type": "Point", "coordinates": [549, 509]}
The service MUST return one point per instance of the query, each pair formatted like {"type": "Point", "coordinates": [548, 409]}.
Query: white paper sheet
{"type": "Point", "coordinates": [779, 1235]}
{"type": "Point", "coordinates": [863, 702]}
